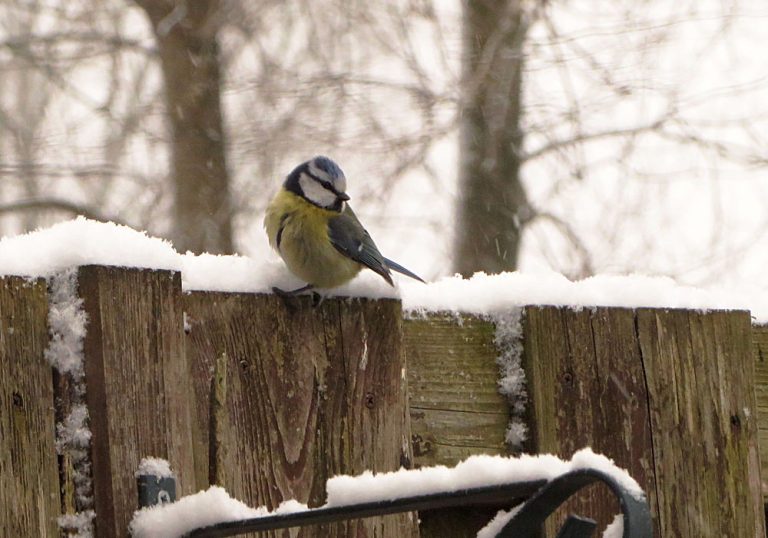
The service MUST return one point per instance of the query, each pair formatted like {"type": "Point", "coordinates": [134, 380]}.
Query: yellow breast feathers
{"type": "Point", "coordinates": [298, 230]}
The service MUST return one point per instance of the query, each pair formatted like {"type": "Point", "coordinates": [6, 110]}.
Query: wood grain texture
{"type": "Point", "coordinates": [29, 480]}
{"type": "Point", "coordinates": [667, 395]}
{"type": "Point", "coordinates": [310, 393]}
{"type": "Point", "coordinates": [587, 389]}
{"type": "Point", "coordinates": [456, 409]}
{"type": "Point", "coordinates": [138, 385]}
{"type": "Point", "coordinates": [700, 378]}
{"type": "Point", "coordinates": [760, 356]}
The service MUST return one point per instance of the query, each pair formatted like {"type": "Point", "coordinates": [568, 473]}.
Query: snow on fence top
{"type": "Point", "coordinates": [214, 505]}
{"type": "Point", "coordinates": [81, 242]}
{"type": "Point", "coordinates": [155, 467]}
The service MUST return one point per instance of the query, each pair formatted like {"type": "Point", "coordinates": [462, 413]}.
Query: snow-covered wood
{"type": "Point", "coordinates": [667, 394]}
{"type": "Point", "coordinates": [270, 398]}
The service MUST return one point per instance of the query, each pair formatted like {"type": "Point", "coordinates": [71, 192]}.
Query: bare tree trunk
{"type": "Point", "coordinates": [189, 54]}
{"type": "Point", "coordinates": [492, 202]}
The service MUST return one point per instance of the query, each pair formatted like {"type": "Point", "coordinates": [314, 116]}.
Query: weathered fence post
{"type": "Point", "coordinates": [138, 385]}
{"type": "Point", "coordinates": [270, 398]}
{"type": "Point", "coordinates": [309, 393]}
{"type": "Point", "coordinates": [456, 409]}
{"type": "Point", "coordinates": [29, 480]}
{"type": "Point", "coordinates": [668, 394]}
{"type": "Point", "coordinates": [587, 388]}
{"type": "Point", "coordinates": [760, 357]}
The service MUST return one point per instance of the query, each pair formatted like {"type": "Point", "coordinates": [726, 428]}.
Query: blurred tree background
{"type": "Point", "coordinates": [476, 135]}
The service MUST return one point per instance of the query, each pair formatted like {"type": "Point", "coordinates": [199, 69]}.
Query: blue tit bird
{"type": "Point", "coordinates": [311, 226]}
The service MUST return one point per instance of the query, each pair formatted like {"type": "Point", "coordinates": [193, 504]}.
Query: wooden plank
{"type": "Point", "coordinates": [456, 409]}
{"type": "Point", "coordinates": [760, 356]}
{"type": "Point", "coordinates": [310, 393]}
{"type": "Point", "coordinates": [29, 480]}
{"type": "Point", "coordinates": [137, 384]}
{"type": "Point", "coordinates": [667, 394]}
{"type": "Point", "coordinates": [700, 375]}
{"type": "Point", "coordinates": [587, 388]}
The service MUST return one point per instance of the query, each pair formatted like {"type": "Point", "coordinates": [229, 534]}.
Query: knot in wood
{"type": "Point", "coordinates": [420, 445]}
{"type": "Point", "coordinates": [370, 400]}
{"type": "Point", "coordinates": [735, 422]}
{"type": "Point", "coordinates": [18, 400]}
{"type": "Point", "coordinates": [568, 379]}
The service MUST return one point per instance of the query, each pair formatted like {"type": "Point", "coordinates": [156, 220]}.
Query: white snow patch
{"type": "Point", "coordinates": [487, 294]}
{"type": "Point", "coordinates": [208, 507]}
{"type": "Point", "coordinates": [66, 322]}
{"type": "Point", "coordinates": [475, 471]}
{"type": "Point", "coordinates": [234, 274]}
{"type": "Point", "coordinates": [615, 528]}
{"type": "Point", "coordinates": [67, 326]}
{"type": "Point", "coordinates": [215, 505]}
{"type": "Point", "coordinates": [78, 525]}
{"type": "Point", "coordinates": [155, 467]}
{"type": "Point", "coordinates": [81, 241]}
{"type": "Point", "coordinates": [73, 432]}
{"type": "Point", "coordinates": [586, 459]}
{"type": "Point", "coordinates": [290, 506]}
{"type": "Point", "coordinates": [509, 341]}
{"type": "Point", "coordinates": [494, 526]}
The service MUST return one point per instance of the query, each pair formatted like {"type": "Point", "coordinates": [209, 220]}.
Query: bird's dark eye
{"type": "Point", "coordinates": [328, 185]}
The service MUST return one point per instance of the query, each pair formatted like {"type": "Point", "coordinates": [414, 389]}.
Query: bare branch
{"type": "Point", "coordinates": [586, 268]}
{"type": "Point", "coordinates": [589, 137]}
{"type": "Point", "coordinates": [55, 204]}
{"type": "Point", "coordinates": [59, 38]}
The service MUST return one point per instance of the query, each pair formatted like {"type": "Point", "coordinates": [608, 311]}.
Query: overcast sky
{"type": "Point", "coordinates": [664, 208]}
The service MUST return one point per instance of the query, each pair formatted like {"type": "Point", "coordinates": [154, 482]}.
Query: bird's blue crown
{"type": "Point", "coordinates": [327, 165]}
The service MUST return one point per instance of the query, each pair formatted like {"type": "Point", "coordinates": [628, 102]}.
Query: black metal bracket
{"type": "Point", "coordinates": [577, 527]}
{"type": "Point", "coordinates": [528, 520]}
{"type": "Point", "coordinates": [539, 499]}
{"type": "Point", "coordinates": [155, 489]}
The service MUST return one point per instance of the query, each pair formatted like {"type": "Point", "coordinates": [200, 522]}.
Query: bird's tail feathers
{"type": "Point", "coordinates": [402, 270]}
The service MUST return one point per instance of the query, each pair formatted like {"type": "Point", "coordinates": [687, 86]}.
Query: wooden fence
{"type": "Point", "coordinates": [270, 400]}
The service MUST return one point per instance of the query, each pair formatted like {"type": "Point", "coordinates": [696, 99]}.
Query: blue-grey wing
{"type": "Point", "coordinates": [402, 270]}
{"type": "Point", "coordinates": [349, 237]}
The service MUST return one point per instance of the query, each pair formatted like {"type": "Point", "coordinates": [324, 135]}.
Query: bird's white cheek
{"type": "Point", "coordinates": [316, 193]}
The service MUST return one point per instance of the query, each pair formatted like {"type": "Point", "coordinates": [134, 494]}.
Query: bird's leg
{"type": "Point", "coordinates": [292, 293]}
{"type": "Point", "coordinates": [290, 297]}
{"type": "Point", "coordinates": [317, 299]}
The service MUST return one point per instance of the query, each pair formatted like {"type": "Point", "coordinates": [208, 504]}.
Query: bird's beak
{"type": "Point", "coordinates": [343, 196]}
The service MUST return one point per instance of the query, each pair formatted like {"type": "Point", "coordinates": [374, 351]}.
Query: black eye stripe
{"type": "Point", "coordinates": [326, 184]}
{"type": "Point", "coordinates": [322, 182]}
